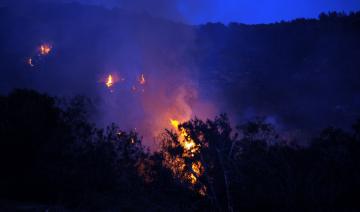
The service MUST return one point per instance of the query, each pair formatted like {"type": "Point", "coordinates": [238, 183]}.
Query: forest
{"type": "Point", "coordinates": [53, 158]}
{"type": "Point", "coordinates": [273, 68]}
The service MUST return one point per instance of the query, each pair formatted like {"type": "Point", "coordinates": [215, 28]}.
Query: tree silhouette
{"type": "Point", "coordinates": [51, 153]}
{"type": "Point", "coordinates": [209, 160]}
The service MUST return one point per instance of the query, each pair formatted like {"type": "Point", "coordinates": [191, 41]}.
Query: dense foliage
{"type": "Point", "coordinates": [50, 155]}
{"type": "Point", "coordinates": [294, 71]}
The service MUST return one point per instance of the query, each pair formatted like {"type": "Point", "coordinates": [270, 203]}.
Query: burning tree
{"type": "Point", "coordinates": [199, 155]}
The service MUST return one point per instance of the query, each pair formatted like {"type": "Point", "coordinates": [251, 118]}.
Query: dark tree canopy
{"type": "Point", "coordinates": [51, 154]}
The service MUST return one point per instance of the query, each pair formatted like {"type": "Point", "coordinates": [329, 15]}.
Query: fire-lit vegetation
{"type": "Point", "coordinates": [184, 165]}
{"type": "Point", "coordinates": [51, 154]}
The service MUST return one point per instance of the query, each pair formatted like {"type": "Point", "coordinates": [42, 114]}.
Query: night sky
{"type": "Point", "coordinates": [244, 11]}
{"type": "Point", "coordinates": [226, 11]}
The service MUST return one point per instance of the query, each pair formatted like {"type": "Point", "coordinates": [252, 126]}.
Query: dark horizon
{"type": "Point", "coordinates": [202, 12]}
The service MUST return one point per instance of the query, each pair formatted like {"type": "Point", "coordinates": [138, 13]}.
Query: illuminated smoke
{"type": "Point", "coordinates": [135, 67]}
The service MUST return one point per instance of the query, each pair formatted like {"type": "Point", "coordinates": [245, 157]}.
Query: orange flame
{"type": "Point", "coordinates": [45, 49]}
{"type": "Point", "coordinates": [175, 123]}
{"type": "Point", "coordinates": [109, 82]}
{"type": "Point", "coordinates": [142, 80]}
{"type": "Point", "coordinates": [190, 148]}
{"type": "Point", "coordinates": [187, 143]}
{"type": "Point", "coordinates": [197, 168]}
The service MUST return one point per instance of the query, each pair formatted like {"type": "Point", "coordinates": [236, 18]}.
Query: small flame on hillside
{"type": "Point", "coordinates": [110, 81]}
{"type": "Point", "coordinates": [30, 62]}
{"type": "Point", "coordinates": [142, 80]}
{"type": "Point", "coordinates": [45, 49]}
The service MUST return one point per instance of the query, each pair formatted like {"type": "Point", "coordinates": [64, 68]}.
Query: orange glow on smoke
{"type": "Point", "coordinates": [45, 49]}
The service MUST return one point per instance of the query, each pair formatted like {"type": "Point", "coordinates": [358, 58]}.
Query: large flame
{"type": "Point", "coordinates": [190, 147]}
{"type": "Point", "coordinates": [186, 142]}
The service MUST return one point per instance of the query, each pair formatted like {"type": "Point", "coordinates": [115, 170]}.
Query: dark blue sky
{"type": "Point", "coordinates": [260, 11]}
{"type": "Point", "coordinates": [245, 11]}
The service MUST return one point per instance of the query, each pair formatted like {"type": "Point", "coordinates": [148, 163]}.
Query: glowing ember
{"type": "Point", "coordinates": [203, 190]}
{"type": "Point", "coordinates": [196, 167]}
{"type": "Point", "coordinates": [109, 82]}
{"type": "Point", "coordinates": [120, 133]}
{"type": "Point", "coordinates": [193, 179]}
{"type": "Point", "coordinates": [189, 145]}
{"type": "Point", "coordinates": [142, 80]}
{"type": "Point", "coordinates": [45, 49]}
{"type": "Point", "coordinates": [30, 62]}
{"type": "Point", "coordinates": [133, 88]}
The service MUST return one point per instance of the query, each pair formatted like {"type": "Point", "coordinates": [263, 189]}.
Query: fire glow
{"type": "Point", "coordinates": [190, 149]}
{"type": "Point", "coordinates": [45, 49]}
{"type": "Point", "coordinates": [30, 62]}
{"type": "Point", "coordinates": [142, 80]}
{"type": "Point", "coordinates": [187, 142]}
{"type": "Point", "coordinates": [109, 82]}
{"type": "Point", "coordinates": [168, 109]}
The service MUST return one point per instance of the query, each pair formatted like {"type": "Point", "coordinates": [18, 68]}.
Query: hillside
{"type": "Point", "coordinates": [301, 74]}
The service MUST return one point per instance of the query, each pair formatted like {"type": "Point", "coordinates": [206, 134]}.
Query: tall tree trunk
{"type": "Point", "coordinates": [226, 181]}
{"type": "Point", "coordinates": [211, 186]}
